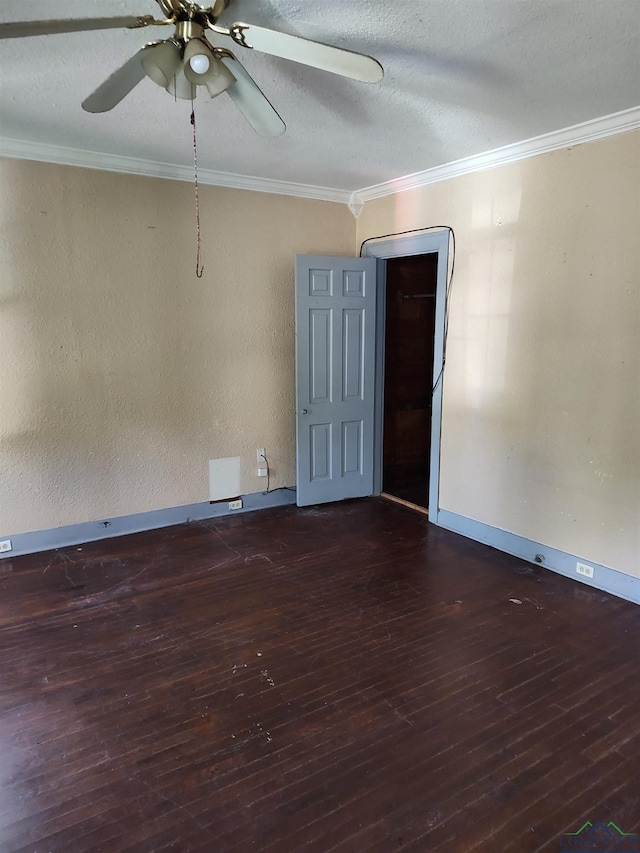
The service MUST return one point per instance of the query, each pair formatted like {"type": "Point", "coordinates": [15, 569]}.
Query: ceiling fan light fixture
{"type": "Point", "coordinates": [202, 67]}
{"type": "Point", "coordinates": [198, 60]}
{"type": "Point", "coordinates": [219, 79]}
{"type": "Point", "coordinates": [162, 62]}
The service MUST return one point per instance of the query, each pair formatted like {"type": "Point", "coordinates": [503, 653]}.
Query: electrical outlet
{"type": "Point", "coordinates": [262, 472]}
{"type": "Point", "coordinates": [583, 569]}
{"type": "Point", "coordinates": [6, 545]}
{"type": "Point", "coordinates": [260, 455]}
{"type": "Point", "coordinates": [235, 504]}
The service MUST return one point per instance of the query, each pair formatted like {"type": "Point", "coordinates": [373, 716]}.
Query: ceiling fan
{"type": "Point", "coordinates": [187, 60]}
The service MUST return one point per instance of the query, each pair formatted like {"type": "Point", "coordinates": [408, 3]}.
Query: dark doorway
{"type": "Point", "coordinates": [408, 376]}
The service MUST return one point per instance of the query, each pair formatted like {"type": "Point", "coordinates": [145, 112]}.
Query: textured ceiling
{"type": "Point", "coordinates": [461, 77]}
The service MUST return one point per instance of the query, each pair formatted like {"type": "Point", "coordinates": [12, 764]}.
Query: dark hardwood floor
{"type": "Point", "coordinates": [340, 678]}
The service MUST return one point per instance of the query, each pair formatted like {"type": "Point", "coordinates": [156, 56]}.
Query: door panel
{"type": "Point", "coordinates": [320, 355]}
{"type": "Point", "coordinates": [352, 331]}
{"type": "Point", "coordinates": [352, 448]}
{"type": "Point", "coordinates": [335, 364]}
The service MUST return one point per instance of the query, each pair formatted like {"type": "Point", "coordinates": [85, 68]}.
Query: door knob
{"type": "Point", "coordinates": [304, 412]}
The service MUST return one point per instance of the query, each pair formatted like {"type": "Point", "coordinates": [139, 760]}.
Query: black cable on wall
{"type": "Point", "coordinates": [447, 292]}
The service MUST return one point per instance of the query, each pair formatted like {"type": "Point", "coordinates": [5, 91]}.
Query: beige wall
{"type": "Point", "coordinates": [121, 373]}
{"type": "Point", "coordinates": [541, 409]}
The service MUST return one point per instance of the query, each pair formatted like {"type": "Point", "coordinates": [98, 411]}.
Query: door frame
{"type": "Point", "coordinates": [401, 247]}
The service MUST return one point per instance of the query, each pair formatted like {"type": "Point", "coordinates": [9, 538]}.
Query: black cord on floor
{"type": "Point", "coordinates": [270, 491]}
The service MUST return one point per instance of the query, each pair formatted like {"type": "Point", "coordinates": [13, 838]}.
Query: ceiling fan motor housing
{"type": "Point", "coordinates": [184, 9]}
{"type": "Point", "coordinates": [186, 30]}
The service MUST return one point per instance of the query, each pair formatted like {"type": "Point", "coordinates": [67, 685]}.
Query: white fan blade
{"type": "Point", "coordinates": [21, 29]}
{"type": "Point", "coordinates": [116, 87]}
{"type": "Point", "coordinates": [357, 66]}
{"type": "Point", "coordinates": [251, 101]}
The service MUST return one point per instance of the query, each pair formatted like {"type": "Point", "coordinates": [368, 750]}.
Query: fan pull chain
{"type": "Point", "coordinates": [199, 267]}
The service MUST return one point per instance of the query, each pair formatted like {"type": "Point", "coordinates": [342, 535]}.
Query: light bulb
{"type": "Point", "coordinates": [199, 62]}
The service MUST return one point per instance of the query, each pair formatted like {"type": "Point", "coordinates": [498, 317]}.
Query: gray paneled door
{"type": "Point", "coordinates": [335, 373]}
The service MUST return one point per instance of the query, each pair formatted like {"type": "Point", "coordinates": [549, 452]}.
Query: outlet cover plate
{"type": "Point", "coordinates": [584, 569]}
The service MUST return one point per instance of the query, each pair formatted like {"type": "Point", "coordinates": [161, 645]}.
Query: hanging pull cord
{"type": "Point", "coordinates": [199, 267]}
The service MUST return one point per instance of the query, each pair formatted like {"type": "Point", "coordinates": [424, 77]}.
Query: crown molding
{"type": "Point", "coordinates": [44, 153]}
{"type": "Point", "coordinates": [577, 134]}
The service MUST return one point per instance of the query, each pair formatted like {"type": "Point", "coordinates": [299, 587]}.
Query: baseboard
{"type": "Point", "coordinates": [92, 531]}
{"type": "Point", "coordinates": [604, 578]}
